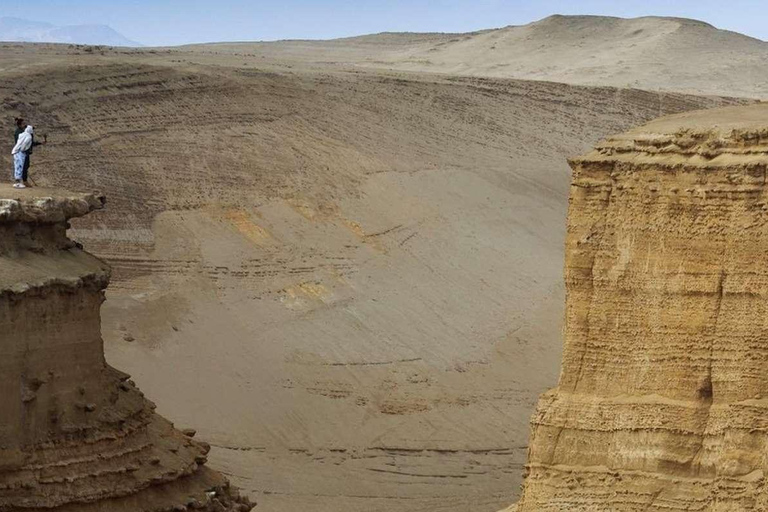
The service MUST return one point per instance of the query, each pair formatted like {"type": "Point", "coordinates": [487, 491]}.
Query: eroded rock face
{"type": "Point", "coordinates": [76, 434]}
{"type": "Point", "coordinates": [662, 402]}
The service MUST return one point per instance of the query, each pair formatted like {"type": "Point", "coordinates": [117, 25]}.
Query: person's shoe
{"type": "Point", "coordinates": [26, 184]}
{"type": "Point", "coordinates": [19, 185]}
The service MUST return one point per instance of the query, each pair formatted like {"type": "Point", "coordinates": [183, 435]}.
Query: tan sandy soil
{"type": "Point", "coordinates": [652, 53]}
{"type": "Point", "coordinates": [348, 280]}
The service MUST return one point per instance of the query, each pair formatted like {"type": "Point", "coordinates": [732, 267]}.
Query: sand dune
{"type": "Point", "coordinates": [652, 53]}
{"type": "Point", "coordinates": [349, 280]}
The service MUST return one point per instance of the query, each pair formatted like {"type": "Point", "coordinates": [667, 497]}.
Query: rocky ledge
{"type": "Point", "coordinates": [44, 205]}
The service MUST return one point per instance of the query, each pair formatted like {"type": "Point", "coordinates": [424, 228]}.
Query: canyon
{"type": "Point", "coordinates": [346, 276]}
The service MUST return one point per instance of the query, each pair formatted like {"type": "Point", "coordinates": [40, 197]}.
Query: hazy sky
{"type": "Point", "coordinates": [166, 22]}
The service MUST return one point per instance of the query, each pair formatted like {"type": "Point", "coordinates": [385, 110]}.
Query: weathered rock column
{"type": "Point", "coordinates": [76, 434]}
{"type": "Point", "coordinates": [663, 397]}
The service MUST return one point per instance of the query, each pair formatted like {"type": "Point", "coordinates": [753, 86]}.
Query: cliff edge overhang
{"type": "Point", "coordinates": [36, 252]}
{"type": "Point", "coordinates": [39, 206]}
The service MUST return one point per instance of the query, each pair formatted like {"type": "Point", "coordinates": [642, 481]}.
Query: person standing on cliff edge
{"type": "Point", "coordinates": [20, 127]}
{"type": "Point", "coordinates": [19, 152]}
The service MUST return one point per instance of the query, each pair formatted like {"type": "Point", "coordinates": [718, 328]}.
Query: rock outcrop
{"type": "Point", "coordinates": [76, 434]}
{"type": "Point", "coordinates": [662, 402]}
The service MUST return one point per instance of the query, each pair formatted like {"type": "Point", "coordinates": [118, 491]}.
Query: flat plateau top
{"type": "Point", "coordinates": [45, 205]}
{"type": "Point", "coordinates": [22, 194]}
{"type": "Point", "coordinates": [715, 138]}
{"type": "Point", "coordinates": [723, 121]}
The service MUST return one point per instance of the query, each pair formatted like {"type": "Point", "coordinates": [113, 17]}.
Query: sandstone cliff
{"type": "Point", "coordinates": [662, 402]}
{"type": "Point", "coordinates": [76, 434]}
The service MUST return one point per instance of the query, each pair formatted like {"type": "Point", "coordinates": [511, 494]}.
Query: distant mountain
{"type": "Point", "coordinates": [17, 29]}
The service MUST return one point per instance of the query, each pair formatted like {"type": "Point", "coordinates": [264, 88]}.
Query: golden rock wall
{"type": "Point", "coordinates": [662, 402]}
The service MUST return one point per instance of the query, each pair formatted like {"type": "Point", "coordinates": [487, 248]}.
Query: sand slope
{"type": "Point", "coordinates": [653, 53]}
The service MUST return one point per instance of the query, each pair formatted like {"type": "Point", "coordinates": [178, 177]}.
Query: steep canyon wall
{"type": "Point", "coordinates": [662, 402]}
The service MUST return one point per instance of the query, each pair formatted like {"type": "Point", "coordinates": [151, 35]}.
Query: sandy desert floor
{"type": "Point", "coordinates": [348, 279]}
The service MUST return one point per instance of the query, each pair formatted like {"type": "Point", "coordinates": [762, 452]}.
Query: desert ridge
{"type": "Point", "coordinates": [652, 53]}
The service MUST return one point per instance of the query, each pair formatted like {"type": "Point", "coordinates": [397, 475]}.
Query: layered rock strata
{"type": "Point", "coordinates": [662, 403]}
{"type": "Point", "coordinates": [76, 434]}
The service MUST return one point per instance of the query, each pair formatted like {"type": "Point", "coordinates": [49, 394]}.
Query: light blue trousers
{"type": "Point", "coordinates": [18, 165]}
